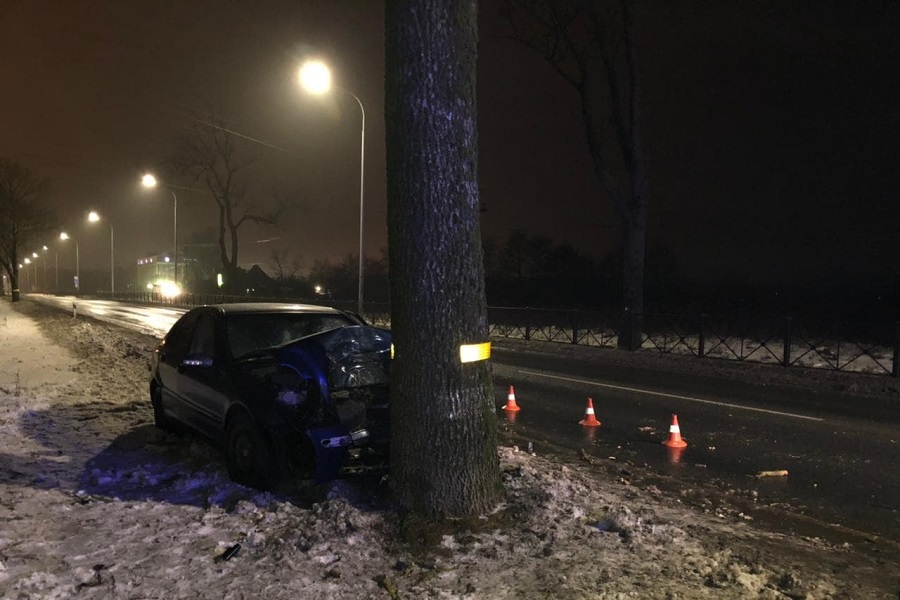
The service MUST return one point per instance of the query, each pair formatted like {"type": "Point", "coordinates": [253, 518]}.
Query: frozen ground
{"type": "Point", "coordinates": [95, 503]}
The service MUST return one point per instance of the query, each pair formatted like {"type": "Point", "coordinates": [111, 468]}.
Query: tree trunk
{"type": "Point", "coordinates": [635, 221]}
{"type": "Point", "coordinates": [609, 77]}
{"type": "Point", "coordinates": [634, 233]}
{"type": "Point", "coordinates": [228, 271]}
{"type": "Point", "coordinates": [14, 285]}
{"type": "Point", "coordinates": [444, 427]}
{"type": "Point", "coordinates": [233, 261]}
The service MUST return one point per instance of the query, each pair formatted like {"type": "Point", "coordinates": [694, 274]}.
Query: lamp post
{"type": "Point", "coordinates": [93, 217]}
{"type": "Point", "coordinates": [34, 285]}
{"type": "Point", "coordinates": [65, 236]}
{"type": "Point", "coordinates": [44, 249]}
{"type": "Point", "coordinates": [315, 78]}
{"type": "Point", "coordinates": [150, 181]}
{"type": "Point", "coordinates": [27, 262]}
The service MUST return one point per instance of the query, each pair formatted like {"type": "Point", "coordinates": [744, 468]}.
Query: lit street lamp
{"type": "Point", "coordinates": [34, 285]}
{"type": "Point", "coordinates": [93, 217]}
{"type": "Point", "coordinates": [30, 282]}
{"type": "Point", "coordinates": [46, 287]}
{"type": "Point", "coordinates": [65, 236]}
{"type": "Point", "coordinates": [149, 181]}
{"type": "Point", "coordinates": [315, 78]}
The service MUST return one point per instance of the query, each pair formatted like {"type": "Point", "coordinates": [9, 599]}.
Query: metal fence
{"type": "Point", "coordinates": [861, 347]}
{"type": "Point", "coordinates": [846, 346]}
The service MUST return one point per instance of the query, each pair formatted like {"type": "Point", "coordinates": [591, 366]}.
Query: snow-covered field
{"type": "Point", "coordinates": [95, 503]}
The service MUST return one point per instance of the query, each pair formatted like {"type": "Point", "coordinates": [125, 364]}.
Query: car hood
{"type": "Point", "coordinates": [348, 357]}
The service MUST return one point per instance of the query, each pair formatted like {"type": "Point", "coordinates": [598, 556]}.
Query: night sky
{"type": "Point", "coordinates": [772, 129]}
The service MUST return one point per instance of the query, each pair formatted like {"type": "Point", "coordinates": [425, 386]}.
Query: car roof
{"type": "Point", "coordinates": [271, 307]}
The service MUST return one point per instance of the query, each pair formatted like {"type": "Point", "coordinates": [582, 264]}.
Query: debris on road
{"type": "Point", "coordinates": [778, 473]}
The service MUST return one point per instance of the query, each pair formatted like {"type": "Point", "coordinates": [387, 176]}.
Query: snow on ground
{"type": "Point", "coordinates": [95, 503]}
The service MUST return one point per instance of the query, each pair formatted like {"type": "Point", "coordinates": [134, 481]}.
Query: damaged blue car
{"type": "Point", "coordinates": [285, 389]}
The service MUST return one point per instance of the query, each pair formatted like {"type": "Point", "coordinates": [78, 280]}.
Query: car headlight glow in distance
{"type": "Point", "coordinates": [168, 289]}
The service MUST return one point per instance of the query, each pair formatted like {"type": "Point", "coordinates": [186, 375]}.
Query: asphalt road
{"type": "Point", "coordinates": [841, 452]}
{"type": "Point", "coordinates": [153, 320]}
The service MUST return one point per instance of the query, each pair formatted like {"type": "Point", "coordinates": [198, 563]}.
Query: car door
{"type": "Point", "coordinates": [205, 384]}
{"type": "Point", "coordinates": [172, 352]}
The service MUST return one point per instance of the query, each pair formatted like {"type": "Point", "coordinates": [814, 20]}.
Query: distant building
{"type": "Point", "coordinates": [256, 281]}
{"type": "Point", "coordinates": [154, 270]}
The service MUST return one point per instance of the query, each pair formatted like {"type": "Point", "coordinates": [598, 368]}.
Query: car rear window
{"type": "Point", "coordinates": [250, 332]}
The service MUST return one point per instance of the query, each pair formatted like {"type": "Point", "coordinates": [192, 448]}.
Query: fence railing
{"type": "Point", "coordinates": [790, 342]}
{"type": "Point", "coordinates": [861, 347]}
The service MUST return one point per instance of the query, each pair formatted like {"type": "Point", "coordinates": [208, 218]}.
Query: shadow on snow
{"type": "Point", "coordinates": [141, 464]}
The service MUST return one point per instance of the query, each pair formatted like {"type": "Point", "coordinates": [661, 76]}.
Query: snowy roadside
{"type": "Point", "coordinates": [95, 503]}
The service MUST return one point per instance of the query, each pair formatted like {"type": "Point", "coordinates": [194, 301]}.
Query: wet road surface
{"type": "Point", "coordinates": [842, 453]}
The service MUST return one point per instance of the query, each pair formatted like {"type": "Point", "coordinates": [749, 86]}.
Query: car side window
{"type": "Point", "coordinates": [240, 336]}
{"type": "Point", "coordinates": [178, 341]}
{"type": "Point", "coordinates": [204, 339]}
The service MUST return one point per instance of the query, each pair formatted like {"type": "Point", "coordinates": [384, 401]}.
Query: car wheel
{"type": "Point", "coordinates": [159, 417]}
{"type": "Point", "coordinates": [250, 455]}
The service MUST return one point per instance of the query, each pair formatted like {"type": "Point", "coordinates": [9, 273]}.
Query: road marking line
{"type": "Point", "coordinates": [676, 396]}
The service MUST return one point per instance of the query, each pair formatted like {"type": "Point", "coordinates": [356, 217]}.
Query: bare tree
{"type": "Point", "coordinates": [590, 43]}
{"type": "Point", "coordinates": [284, 264]}
{"type": "Point", "coordinates": [212, 155]}
{"type": "Point", "coordinates": [22, 220]}
{"type": "Point", "coordinates": [444, 435]}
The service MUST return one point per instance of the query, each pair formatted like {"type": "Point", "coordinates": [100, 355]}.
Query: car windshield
{"type": "Point", "coordinates": [249, 332]}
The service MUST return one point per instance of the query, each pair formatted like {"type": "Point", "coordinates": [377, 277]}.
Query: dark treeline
{"type": "Point", "coordinates": [533, 271]}
{"type": "Point", "coordinates": [536, 272]}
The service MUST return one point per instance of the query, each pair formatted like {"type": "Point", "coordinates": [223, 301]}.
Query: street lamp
{"type": "Point", "coordinates": [46, 287]}
{"type": "Point", "coordinates": [65, 236]}
{"type": "Point", "coordinates": [93, 217]}
{"type": "Point", "coordinates": [34, 285]}
{"type": "Point", "coordinates": [315, 78]}
{"type": "Point", "coordinates": [149, 181]}
{"type": "Point", "coordinates": [27, 262]}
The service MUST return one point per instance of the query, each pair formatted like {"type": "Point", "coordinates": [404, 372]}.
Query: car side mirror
{"type": "Point", "coordinates": [197, 360]}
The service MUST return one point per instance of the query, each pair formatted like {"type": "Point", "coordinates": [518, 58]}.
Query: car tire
{"type": "Point", "coordinates": [159, 417]}
{"type": "Point", "coordinates": [250, 455]}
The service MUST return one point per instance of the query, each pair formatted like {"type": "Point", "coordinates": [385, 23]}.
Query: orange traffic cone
{"type": "Point", "coordinates": [511, 401]}
{"type": "Point", "coordinates": [589, 419]}
{"type": "Point", "coordinates": [675, 440]}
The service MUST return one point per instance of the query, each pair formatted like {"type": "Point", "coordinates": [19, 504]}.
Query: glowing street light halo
{"type": "Point", "coordinates": [315, 77]}
{"type": "Point", "coordinates": [148, 180]}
